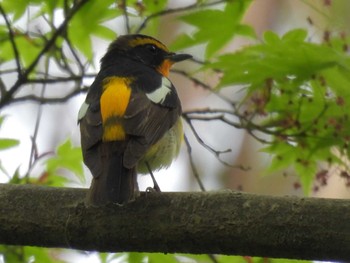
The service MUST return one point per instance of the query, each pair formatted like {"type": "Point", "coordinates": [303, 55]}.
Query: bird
{"type": "Point", "coordinates": [130, 121]}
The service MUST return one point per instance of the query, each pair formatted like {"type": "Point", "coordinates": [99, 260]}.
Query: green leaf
{"type": "Point", "coordinates": [271, 38]}
{"type": "Point", "coordinates": [67, 157]}
{"type": "Point", "coordinates": [39, 254]}
{"type": "Point", "coordinates": [28, 254]}
{"type": "Point", "coordinates": [245, 30]}
{"type": "Point", "coordinates": [183, 41]}
{"type": "Point", "coordinates": [161, 258]}
{"type": "Point", "coordinates": [253, 65]}
{"type": "Point", "coordinates": [49, 6]}
{"type": "Point", "coordinates": [297, 92]}
{"type": "Point", "coordinates": [50, 179]}
{"type": "Point", "coordinates": [306, 170]}
{"type": "Point", "coordinates": [8, 143]}
{"type": "Point", "coordinates": [2, 118]}
{"type": "Point", "coordinates": [88, 21]}
{"type": "Point", "coordinates": [28, 48]}
{"type": "Point", "coordinates": [104, 32]}
{"type": "Point", "coordinates": [3, 170]}
{"type": "Point", "coordinates": [17, 8]}
{"type": "Point", "coordinates": [207, 259]}
{"type": "Point", "coordinates": [110, 257]}
{"type": "Point", "coordinates": [297, 35]}
{"type": "Point", "coordinates": [135, 257]}
{"type": "Point", "coordinates": [146, 9]}
{"type": "Point", "coordinates": [152, 6]}
{"type": "Point", "coordinates": [283, 155]}
{"type": "Point", "coordinates": [85, 46]}
{"type": "Point", "coordinates": [194, 258]}
{"type": "Point", "coordinates": [227, 22]}
{"type": "Point", "coordinates": [16, 178]}
{"type": "Point", "coordinates": [282, 260]}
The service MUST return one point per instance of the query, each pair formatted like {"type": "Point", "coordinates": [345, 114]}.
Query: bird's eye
{"type": "Point", "coordinates": [151, 48]}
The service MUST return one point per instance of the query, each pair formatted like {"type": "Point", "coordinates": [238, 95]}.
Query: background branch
{"type": "Point", "coordinates": [202, 222]}
{"type": "Point", "coordinates": [175, 10]}
{"type": "Point", "coordinates": [124, 8]}
{"type": "Point", "coordinates": [193, 166]}
{"type": "Point", "coordinates": [7, 97]}
{"type": "Point", "coordinates": [12, 40]}
{"type": "Point", "coordinates": [45, 100]}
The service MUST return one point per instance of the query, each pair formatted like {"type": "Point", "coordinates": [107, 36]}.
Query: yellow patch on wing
{"type": "Point", "coordinates": [113, 133]}
{"type": "Point", "coordinates": [114, 101]}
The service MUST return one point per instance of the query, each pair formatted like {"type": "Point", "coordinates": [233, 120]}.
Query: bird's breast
{"type": "Point", "coordinates": [163, 152]}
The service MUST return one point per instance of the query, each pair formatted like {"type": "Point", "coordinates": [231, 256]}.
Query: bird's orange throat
{"type": "Point", "coordinates": [164, 68]}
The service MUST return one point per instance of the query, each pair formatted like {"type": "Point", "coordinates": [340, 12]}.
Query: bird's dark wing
{"type": "Point", "coordinates": [148, 117]}
{"type": "Point", "coordinates": [91, 131]}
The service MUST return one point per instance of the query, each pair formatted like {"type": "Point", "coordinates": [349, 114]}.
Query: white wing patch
{"type": "Point", "coordinates": [82, 111]}
{"type": "Point", "coordinates": [159, 95]}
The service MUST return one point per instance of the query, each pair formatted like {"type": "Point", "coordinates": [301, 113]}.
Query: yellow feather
{"type": "Point", "coordinates": [114, 101]}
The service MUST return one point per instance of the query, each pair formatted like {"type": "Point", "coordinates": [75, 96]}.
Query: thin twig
{"type": "Point", "coordinates": [175, 10]}
{"type": "Point", "coordinates": [2, 87]}
{"type": "Point", "coordinates": [60, 60]}
{"type": "Point", "coordinates": [34, 149]}
{"type": "Point", "coordinates": [193, 166]}
{"type": "Point", "coordinates": [8, 71]}
{"type": "Point", "coordinates": [206, 146]}
{"type": "Point", "coordinates": [188, 118]}
{"type": "Point", "coordinates": [211, 111]}
{"type": "Point", "coordinates": [200, 140]}
{"type": "Point", "coordinates": [193, 79]}
{"type": "Point", "coordinates": [75, 55]}
{"type": "Point", "coordinates": [61, 79]}
{"type": "Point", "coordinates": [40, 100]}
{"type": "Point", "coordinates": [12, 40]}
{"type": "Point", "coordinates": [212, 258]}
{"type": "Point", "coordinates": [200, 83]}
{"type": "Point", "coordinates": [6, 99]}
{"type": "Point", "coordinates": [126, 16]}
{"type": "Point", "coordinates": [219, 118]}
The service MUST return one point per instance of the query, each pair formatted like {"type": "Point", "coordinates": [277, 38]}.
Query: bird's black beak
{"type": "Point", "coordinates": [173, 57]}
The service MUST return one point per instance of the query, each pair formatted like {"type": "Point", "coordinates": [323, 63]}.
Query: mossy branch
{"type": "Point", "coordinates": [224, 222]}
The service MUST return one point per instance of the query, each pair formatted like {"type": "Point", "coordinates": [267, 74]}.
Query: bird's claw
{"type": "Point", "coordinates": [153, 189]}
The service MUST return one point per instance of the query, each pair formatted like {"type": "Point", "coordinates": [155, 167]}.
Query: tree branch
{"type": "Point", "coordinates": [124, 7]}
{"type": "Point", "coordinates": [212, 222]}
{"type": "Point", "coordinates": [193, 166]}
{"type": "Point", "coordinates": [7, 98]}
{"type": "Point", "coordinates": [53, 100]}
{"type": "Point", "coordinates": [12, 41]}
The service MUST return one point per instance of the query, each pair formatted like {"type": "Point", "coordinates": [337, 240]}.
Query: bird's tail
{"type": "Point", "coordinates": [114, 183]}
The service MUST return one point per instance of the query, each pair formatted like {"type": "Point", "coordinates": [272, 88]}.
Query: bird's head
{"type": "Point", "coordinates": [146, 50]}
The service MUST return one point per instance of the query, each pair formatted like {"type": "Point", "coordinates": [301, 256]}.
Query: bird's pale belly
{"type": "Point", "coordinates": [161, 154]}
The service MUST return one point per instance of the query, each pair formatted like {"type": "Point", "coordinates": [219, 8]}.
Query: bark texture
{"type": "Point", "coordinates": [224, 222]}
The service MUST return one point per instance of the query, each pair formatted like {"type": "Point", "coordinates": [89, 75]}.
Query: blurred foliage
{"type": "Point", "coordinates": [7, 143]}
{"type": "Point", "coordinates": [295, 89]}
{"type": "Point", "coordinates": [67, 157]}
{"type": "Point", "coordinates": [296, 92]}
{"type": "Point", "coordinates": [17, 254]}
{"type": "Point", "coordinates": [227, 22]}
{"type": "Point", "coordinates": [187, 258]}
